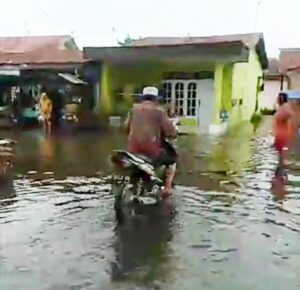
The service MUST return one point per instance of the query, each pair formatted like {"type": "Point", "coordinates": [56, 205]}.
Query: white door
{"type": "Point", "coordinates": [206, 109]}
{"type": "Point", "coordinates": [183, 96]}
{"type": "Point", "coordinates": [192, 99]}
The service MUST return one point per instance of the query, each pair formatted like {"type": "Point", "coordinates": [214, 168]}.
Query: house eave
{"type": "Point", "coordinates": [188, 53]}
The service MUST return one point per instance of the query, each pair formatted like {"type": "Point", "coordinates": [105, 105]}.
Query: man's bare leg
{"type": "Point", "coordinates": [170, 175]}
{"type": "Point", "coordinates": [48, 130]}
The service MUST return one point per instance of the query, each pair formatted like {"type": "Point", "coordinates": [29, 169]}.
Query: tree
{"type": "Point", "coordinates": [127, 41]}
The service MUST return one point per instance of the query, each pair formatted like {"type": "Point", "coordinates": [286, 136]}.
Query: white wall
{"type": "Point", "coordinates": [270, 94]}
{"type": "Point", "coordinates": [295, 80]}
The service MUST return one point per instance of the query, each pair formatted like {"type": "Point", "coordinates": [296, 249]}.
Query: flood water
{"type": "Point", "coordinates": [224, 228]}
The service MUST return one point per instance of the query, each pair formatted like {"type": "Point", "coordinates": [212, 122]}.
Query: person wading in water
{"type": "Point", "coordinates": [283, 127]}
{"type": "Point", "coordinates": [45, 107]}
{"type": "Point", "coordinates": [148, 125]}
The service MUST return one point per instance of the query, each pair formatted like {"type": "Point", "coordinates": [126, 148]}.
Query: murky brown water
{"type": "Point", "coordinates": [223, 229]}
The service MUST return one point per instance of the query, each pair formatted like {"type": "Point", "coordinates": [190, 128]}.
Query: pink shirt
{"type": "Point", "coordinates": [147, 124]}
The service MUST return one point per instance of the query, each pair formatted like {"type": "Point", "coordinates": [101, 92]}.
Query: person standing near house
{"type": "Point", "coordinates": [45, 107]}
{"type": "Point", "coordinates": [148, 125]}
{"type": "Point", "coordinates": [283, 127]}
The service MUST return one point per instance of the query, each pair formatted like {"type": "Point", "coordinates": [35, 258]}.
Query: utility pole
{"type": "Point", "coordinates": [26, 30]}
{"type": "Point", "coordinates": [256, 16]}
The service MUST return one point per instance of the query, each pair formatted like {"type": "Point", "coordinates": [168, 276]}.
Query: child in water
{"type": "Point", "coordinates": [282, 126]}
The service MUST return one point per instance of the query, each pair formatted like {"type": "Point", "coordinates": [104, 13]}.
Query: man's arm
{"type": "Point", "coordinates": [167, 127]}
{"type": "Point", "coordinates": [128, 121]}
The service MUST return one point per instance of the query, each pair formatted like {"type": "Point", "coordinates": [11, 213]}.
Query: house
{"type": "Point", "coordinates": [273, 84]}
{"type": "Point", "coordinates": [27, 63]}
{"type": "Point", "coordinates": [289, 66]}
{"type": "Point", "coordinates": [30, 60]}
{"type": "Point", "coordinates": [282, 75]}
{"type": "Point", "coordinates": [204, 79]}
{"type": "Point", "coordinates": [36, 52]}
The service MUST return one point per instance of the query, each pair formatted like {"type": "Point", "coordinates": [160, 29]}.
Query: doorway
{"type": "Point", "coordinates": [191, 99]}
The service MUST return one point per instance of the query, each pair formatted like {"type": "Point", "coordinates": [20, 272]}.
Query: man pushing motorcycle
{"type": "Point", "coordinates": [148, 127]}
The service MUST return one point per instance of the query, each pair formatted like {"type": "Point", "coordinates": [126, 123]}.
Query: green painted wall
{"type": "Point", "coordinates": [233, 83]}
{"type": "Point", "coordinates": [105, 104]}
{"type": "Point", "coordinates": [223, 90]}
{"type": "Point", "coordinates": [227, 87]}
{"type": "Point", "coordinates": [118, 79]}
{"type": "Point", "coordinates": [218, 92]}
{"type": "Point", "coordinates": [244, 88]}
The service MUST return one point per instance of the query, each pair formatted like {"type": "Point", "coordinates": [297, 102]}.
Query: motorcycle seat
{"type": "Point", "coordinates": [138, 157]}
{"type": "Point", "coordinates": [145, 158]}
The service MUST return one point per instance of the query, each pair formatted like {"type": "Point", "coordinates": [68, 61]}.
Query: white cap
{"type": "Point", "coordinates": [152, 91]}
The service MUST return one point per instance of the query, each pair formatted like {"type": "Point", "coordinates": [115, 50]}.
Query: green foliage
{"type": "Point", "coordinates": [256, 119]}
{"type": "Point", "coordinates": [127, 41]}
{"type": "Point", "coordinates": [267, 112]}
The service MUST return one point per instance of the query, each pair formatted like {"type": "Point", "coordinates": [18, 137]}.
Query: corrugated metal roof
{"type": "Point", "coordinates": [247, 39]}
{"type": "Point", "coordinates": [160, 43]}
{"type": "Point", "coordinates": [38, 50]}
{"type": "Point", "coordinates": [30, 43]}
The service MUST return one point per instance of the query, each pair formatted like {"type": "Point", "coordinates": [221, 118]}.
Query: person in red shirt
{"type": "Point", "coordinates": [148, 126]}
{"type": "Point", "coordinates": [283, 126]}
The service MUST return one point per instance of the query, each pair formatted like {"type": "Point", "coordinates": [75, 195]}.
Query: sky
{"type": "Point", "coordinates": [102, 23]}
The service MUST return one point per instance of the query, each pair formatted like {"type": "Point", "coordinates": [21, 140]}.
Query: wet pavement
{"type": "Point", "coordinates": [224, 228]}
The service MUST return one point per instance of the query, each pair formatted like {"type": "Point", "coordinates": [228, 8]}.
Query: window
{"type": "Point", "coordinates": [192, 99]}
{"type": "Point", "coordinates": [179, 98]}
{"type": "Point", "coordinates": [167, 93]}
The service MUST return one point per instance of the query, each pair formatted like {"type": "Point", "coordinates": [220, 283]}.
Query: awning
{"type": "Point", "coordinates": [72, 79]}
{"type": "Point", "coordinates": [10, 72]}
{"type": "Point", "coordinates": [9, 76]}
{"type": "Point", "coordinates": [294, 95]}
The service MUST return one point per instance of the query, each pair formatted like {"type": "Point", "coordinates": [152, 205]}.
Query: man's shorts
{"type": "Point", "coordinates": [168, 156]}
{"type": "Point", "coordinates": [281, 143]}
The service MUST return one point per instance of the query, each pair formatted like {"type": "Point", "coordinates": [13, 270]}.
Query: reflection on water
{"type": "Point", "coordinates": [142, 251]}
{"type": "Point", "coordinates": [232, 223]}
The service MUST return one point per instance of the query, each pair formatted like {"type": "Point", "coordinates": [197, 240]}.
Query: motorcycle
{"type": "Point", "coordinates": [137, 182]}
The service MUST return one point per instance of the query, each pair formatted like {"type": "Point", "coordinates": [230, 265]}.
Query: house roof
{"type": "Point", "coordinates": [159, 43]}
{"type": "Point", "coordinates": [168, 41]}
{"type": "Point", "coordinates": [289, 59]}
{"type": "Point", "coordinates": [39, 50]}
